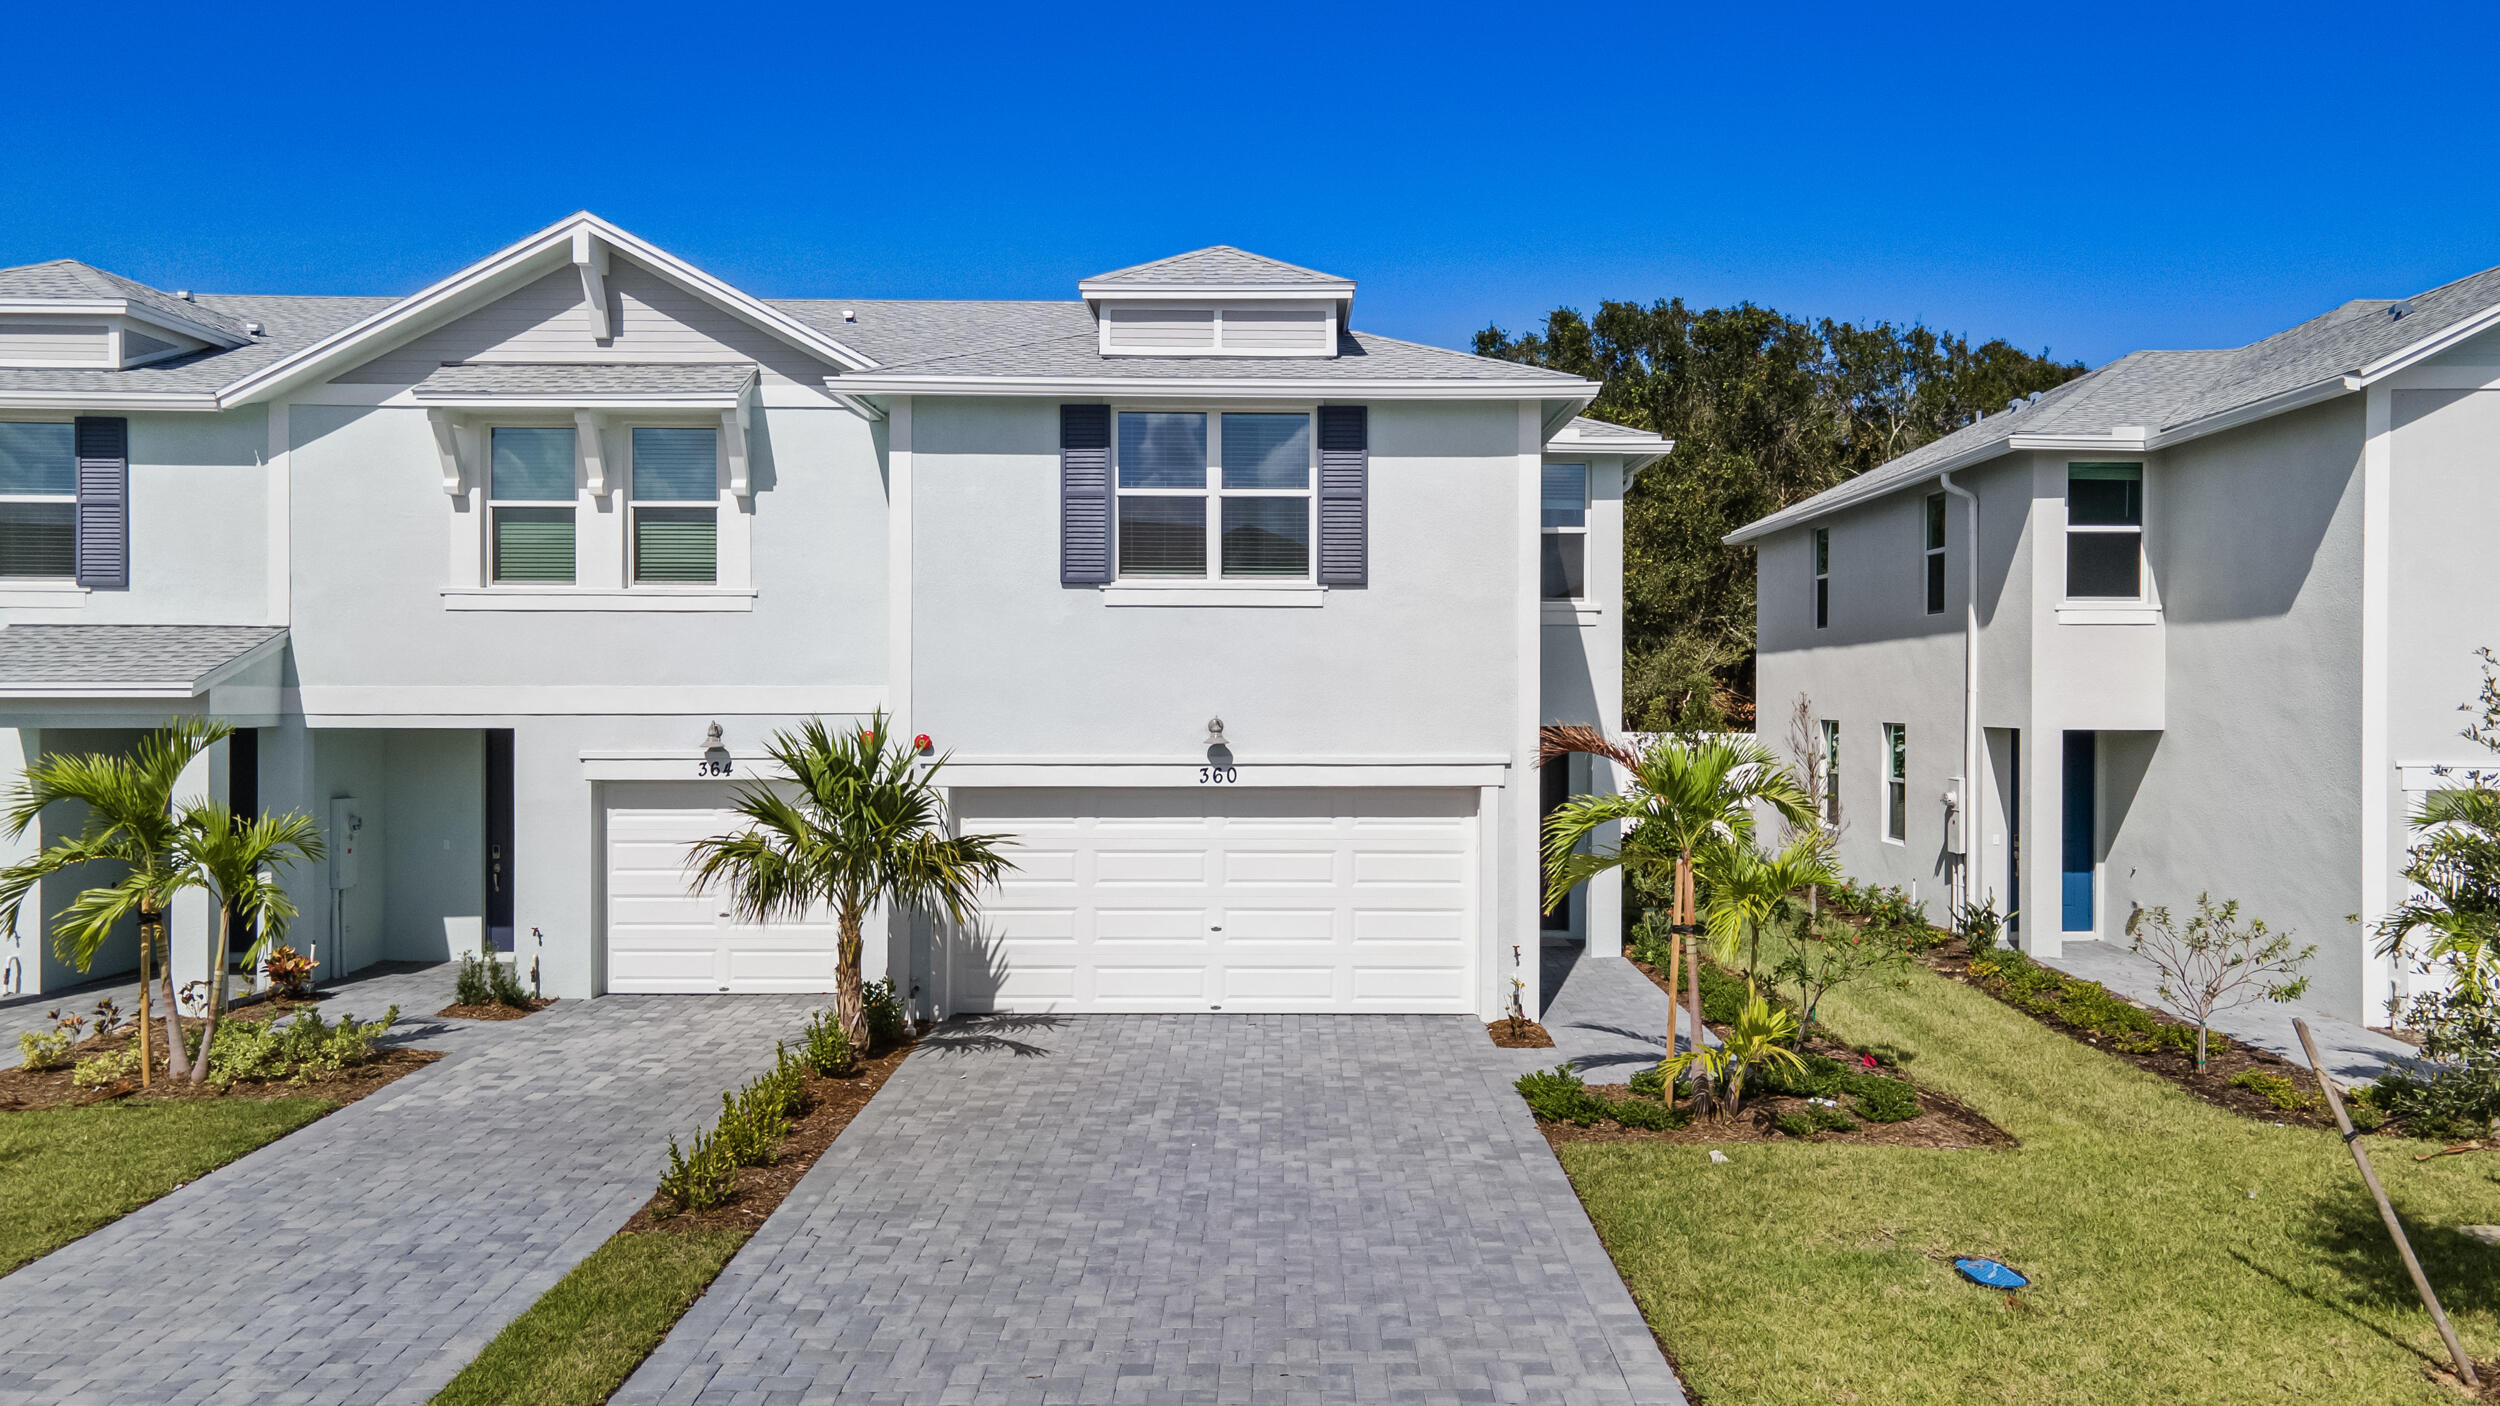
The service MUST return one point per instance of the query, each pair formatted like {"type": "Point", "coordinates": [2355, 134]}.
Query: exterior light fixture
{"type": "Point", "coordinates": [716, 761]}
{"type": "Point", "coordinates": [1215, 732]}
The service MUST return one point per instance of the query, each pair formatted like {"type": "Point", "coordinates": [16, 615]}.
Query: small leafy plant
{"type": "Point", "coordinates": [1977, 923]}
{"type": "Point", "coordinates": [50, 1049]}
{"type": "Point", "coordinates": [298, 1050]}
{"type": "Point", "coordinates": [1558, 1096]}
{"type": "Point", "coordinates": [1814, 1118]}
{"type": "Point", "coordinates": [2281, 1090]}
{"type": "Point", "coordinates": [1874, 1097]}
{"type": "Point", "coordinates": [470, 987]}
{"type": "Point", "coordinates": [700, 1180]}
{"type": "Point", "coordinates": [2214, 963]}
{"type": "Point", "coordinates": [824, 1047]}
{"type": "Point", "coordinates": [2086, 1005]}
{"type": "Point", "coordinates": [882, 1011]}
{"type": "Point", "coordinates": [290, 972]}
{"type": "Point", "coordinates": [96, 1071]}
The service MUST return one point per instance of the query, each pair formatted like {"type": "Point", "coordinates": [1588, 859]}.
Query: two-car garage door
{"type": "Point", "coordinates": [1197, 899]}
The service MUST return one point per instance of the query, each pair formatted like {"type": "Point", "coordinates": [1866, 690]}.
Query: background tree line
{"type": "Point", "coordinates": [1765, 410]}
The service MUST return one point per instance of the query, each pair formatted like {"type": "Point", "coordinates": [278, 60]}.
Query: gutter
{"type": "Point", "coordinates": [1971, 739]}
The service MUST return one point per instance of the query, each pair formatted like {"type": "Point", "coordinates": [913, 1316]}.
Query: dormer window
{"type": "Point", "coordinates": [1218, 302]}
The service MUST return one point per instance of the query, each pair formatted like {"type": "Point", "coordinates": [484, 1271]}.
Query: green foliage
{"type": "Point", "coordinates": [1828, 955]}
{"type": "Point", "coordinates": [1814, 1118]}
{"type": "Point", "coordinates": [1722, 994]}
{"type": "Point", "coordinates": [825, 1048]}
{"type": "Point", "coordinates": [45, 1049]}
{"type": "Point", "coordinates": [1887, 908]}
{"type": "Point", "coordinates": [2085, 1005]}
{"type": "Point", "coordinates": [1645, 1115]}
{"type": "Point", "coordinates": [1765, 411]}
{"type": "Point", "coordinates": [1877, 1099]}
{"type": "Point", "coordinates": [883, 1013]}
{"type": "Point", "coordinates": [2214, 963]}
{"type": "Point", "coordinates": [2449, 1102]}
{"type": "Point", "coordinates": [503, 982]}
{"type": "Point", "coordinates": [486, 981]}
{"type": "Point", "coordinates": [585, 1336]}
{"type": "Point", "coordinates": [470, 987]}
{"type": "Point", "coordinates": [1650, 1082]}
{"type": "Point", "coordinates": [1977, 923]}
{"type": "Point", "coordinates": [96, 1071]}
{"type": "Point", "coordinates": [1745, 891]}
{"type": "Point", "coordinates": [1558, 1096]}
{"type": "Point", "coordinates": [2281, 1090]}
{"type": "Point", "coordinates": [299, 1049]}
{"type": "Point", "coordinates": [699, 1180]}
{"type": "Point", "coordinates": [1683, 795]}
{"type": "Point", "coordinates": [1759, 1038]}
{"type": "Point", "coordinates": [748, 1134]}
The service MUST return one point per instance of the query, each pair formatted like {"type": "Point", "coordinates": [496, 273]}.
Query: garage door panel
{"type": "Point", "coordinates": [792, 969]}
{"type": "Point", "coordinates": [665, 936]}
{"type": "Point", "coordinates": [1028, 924]}
{"type": "Point", "coordinates": [1252, 898]}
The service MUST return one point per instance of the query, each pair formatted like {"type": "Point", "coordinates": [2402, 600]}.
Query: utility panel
{"type": "Point", "coordinates": [344, 825]}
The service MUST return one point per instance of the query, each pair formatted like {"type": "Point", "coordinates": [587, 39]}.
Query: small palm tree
{"type": "Point", "coordinates": [130, 821]}
{"type": "Point", "coordinates": [860, 822]}
{"type": "Point", "coordinates": [238, 861]}
{"type": "Point", "coordinates": [1683, 794]}
{"type": "Point", "coordinates": [1751, 890]}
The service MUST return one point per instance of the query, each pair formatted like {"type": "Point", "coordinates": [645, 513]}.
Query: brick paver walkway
{"type": "Point", "coordinates": [1197, 1208]}
{"type": "Point", "coordinates": [369, 1256]}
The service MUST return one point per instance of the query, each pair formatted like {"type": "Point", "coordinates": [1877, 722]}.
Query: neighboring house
{"type": "Point", "coordinates": [2225, 613]}
{"type": "Point", "coordinates": [508, 581]}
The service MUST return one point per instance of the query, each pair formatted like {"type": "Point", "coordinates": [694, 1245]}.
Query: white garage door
{"type": "Point", "coordinates": [1231, 899]}
{"type": "Point", "coordinates": [663, 934]}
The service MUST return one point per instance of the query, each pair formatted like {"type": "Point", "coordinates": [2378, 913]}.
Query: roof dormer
{"type": "Point", "coordinates": [1218, 301]}
{"type": "Point", "coordinates": [68, 314]}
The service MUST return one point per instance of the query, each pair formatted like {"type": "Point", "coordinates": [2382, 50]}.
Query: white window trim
{"type": "Point", "coordinates": [1896, 734]}
{"type": "Point", "coordinates": [602, 540]}
{"type": "Point", "coordinates": [2142, 608]}
{"type": "Point", "coordinates": [1588, 492]}
{"type": "Point", "coordinates": [1216, 345]}
{"type": "Point", "coordinates": [493, 502]}
{"type": "Point", "coordinates": [1934, 549]}
{"type": "Point", "coordinates": [1275, 590]}
{"type": "Point", "coordinates": [42, 592]}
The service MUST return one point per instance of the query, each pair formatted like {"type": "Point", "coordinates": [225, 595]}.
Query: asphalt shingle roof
{"type": "Point", "coordinates": [70, 280]}
{"type": "Point", "coordinates": [2166, 390]}
{"type": "Point", "coordinates": [123, 656]}
{"type": "Point", "coordinates": [1215, 264]}
{"type": "Point", "coordinates": [1360, 356]}
{"type": "Point", "coordinates": [288, 325]}
{"type": "Point", "coordinates": [551, 379]}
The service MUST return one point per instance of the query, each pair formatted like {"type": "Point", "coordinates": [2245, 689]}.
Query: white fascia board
{"type": "Point", "coordinates": [1579, 392]}
{"type": "Point", "coordinates": [2276, 404]}
{"type": "Point", "coordinates": [552, 246]}
{"type": "Point", "coordinates": [1787, 518]}
{"type": "Point", "coordinates": [705, 400]}
{"type": "Point", "coordinates": [2081, 443]}
{"type": "Point", "coordinates": [266, 649]}
{"type": "Point", "coordinates": [108, 400]}
{"type": "Point", "coordinates": [121, 307]}
{"type": "Point", "coordinates": [1338, 292]}
{"type": "Point", "coordinates": [13, 693]}
{"type": "Point", "coordinates": [2429, 346]}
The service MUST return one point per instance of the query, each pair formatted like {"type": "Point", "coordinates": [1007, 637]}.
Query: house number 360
{"type": "Point", "coordinates": [1218, 775]}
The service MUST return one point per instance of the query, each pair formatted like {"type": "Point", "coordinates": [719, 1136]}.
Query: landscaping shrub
{"type": "Point", "coordinates": [48, 1050]}
{"type": "Point", "coordinates": [1881, 1100]}
{"type": "Point", "coordinates": [470, 987]}
{"type": "Point", "coordinates": [1650, 1082]}
{"type": "Point", "coordinates": [1641, 1113]}
{"type": "Point", "coordinates": [1558, 1096]}
{"type": "Point", "coordinates": [2281, 1090]}
{"type": "Point", "coordinates": [825, 1048]}
{"type": "Point", "coordinates": [2086, 1005]}
{"type": "Point", "coordinates": [503, 982]}
{"type": "Point", "coordinates": [883, 1012]}
{"type": "Point", "coordinates": [701, 1180]}
{"type": "Point", "coordinates": [1814, 1118]}
{"type": "Point", "coordinates": [2450, 1103]}
{"type": "Point", "coordinates": [297, 1050]}
{"type": "Point", "coordinates": [1876, 1098]}
{"type": "Point", "coordinates": [748, 1135]}
{"type": "Point", "coordinates": [96, 1071]}
{"type": "Point", "coordinates": [290, 972]}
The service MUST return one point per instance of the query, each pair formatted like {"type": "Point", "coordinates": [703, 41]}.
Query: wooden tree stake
{"type": "Point", "coordinates": [144, 947]}
{"type": "Point", "coordinates": [2386, 1212]}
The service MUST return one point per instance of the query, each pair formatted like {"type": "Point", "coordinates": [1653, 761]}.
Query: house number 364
{"type": "Point", "coordinates": [714, 766]}
{"type": "Point", "coordinates": [1218, 775]}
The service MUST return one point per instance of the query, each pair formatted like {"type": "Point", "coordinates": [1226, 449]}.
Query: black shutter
{"type": "Point", "coordinates": [1084, 494]}
{"type": "Point", "coordinates": [103, 502]}
{"type": "Point", "coordinates": [1345, 470]}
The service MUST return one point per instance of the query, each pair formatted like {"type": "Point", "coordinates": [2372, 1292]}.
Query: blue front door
{"type": "Point", "coordinates": [2078, 840]}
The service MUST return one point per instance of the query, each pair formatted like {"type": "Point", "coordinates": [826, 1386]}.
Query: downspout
{"type": "Point", "coordinates": [1970, 686]}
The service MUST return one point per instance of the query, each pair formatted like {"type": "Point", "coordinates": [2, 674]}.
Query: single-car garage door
{"type": "Point", "coordinates": [666, 936]}
{"type": "Point", "coordinates": [1224, 899]}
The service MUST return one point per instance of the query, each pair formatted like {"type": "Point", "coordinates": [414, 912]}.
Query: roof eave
{"type": "Point", "coordinates": [1577, 391]}
{"type": "Point", "coordinates": [124, 307]}
{"type": "Point", "coordinates": [2429, 346]}
{"type": "Point", "coordinates": [195, 401]}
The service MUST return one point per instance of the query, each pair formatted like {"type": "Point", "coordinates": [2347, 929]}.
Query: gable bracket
{"type": "Point", "coordinates": [590, 452]}
{"type": "Point", "coordinates": [733, 439]}
{"type": "Point", "coordinates": [447, 448]}
{"type": "Point", "coordinates": [590, 257]}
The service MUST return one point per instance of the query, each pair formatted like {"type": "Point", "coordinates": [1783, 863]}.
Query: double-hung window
{"type": "Point", "coordinates": [1831, 772]}
{"type": "Point", "coordinates": [1896, 782]}
{"type": "Point", "coordinates": [1935, 554]}
{"type": "Point", "coordinates": [38, 500]}
{"type": "Point", "coordinates": [1566, 531]}
{"type": "Point", "coordinates": [1231, 489]}
{"type": "Point", "coordinates": [1822, 577]}
{"type": "Point", "coordinates": [676, 504]}
{"type": "Point", "coordinates": [2105, 531]}
{"type": "Point", "coordinates": [529, 498]}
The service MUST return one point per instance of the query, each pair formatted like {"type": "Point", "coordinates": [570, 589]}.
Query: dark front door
{"type": "Point", "coordinates": [499, 839]}
{"type": "Point", "coordinates": [243, 798]}
{"type": "Point", "coordinates": [2081, 823]}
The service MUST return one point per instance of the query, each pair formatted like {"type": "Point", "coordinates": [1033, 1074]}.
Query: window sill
{"type": "Point", "coordinates": [640, 598]}
{"type": "Point", "coordinates": [1211, 593]}
{"type": "Point", "coordinates": [2107, 613]}
{"type": "Point", "coordinates": [41, 595]}
{"type": "Point", "coordinates": [1572, 612]}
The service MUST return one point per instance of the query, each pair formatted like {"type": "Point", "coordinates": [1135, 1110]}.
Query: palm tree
{"type": "Point", "coordinates": [860, 822]}
{"type": "Point", "coordinates": [237, 860]}
{"type": "Point", "coordinates": [130, 821]}
{"type": "Point", "coordinates": [1750, 890]}
{"type": "Point", "coordinates": [1683, 794]}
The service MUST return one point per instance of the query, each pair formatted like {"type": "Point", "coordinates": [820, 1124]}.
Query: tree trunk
{"type": "Point", "coordinates": [1685, 903]}
{"type": "Point", "coordinates": [216, 998]}
{"type": "Point", "coordinates": [1675, 960]}
{"type": "Point", "coordinates": [2200, 1044]}
{"type": "Point", "coordinates": [177, 1063]}
{"type": "Point", "coordinates": [849, 1010]}
{"type": "Point", "coordinates": [146, 1055]}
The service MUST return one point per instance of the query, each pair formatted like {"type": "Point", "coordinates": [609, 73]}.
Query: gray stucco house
{"type": "Point", "coordinates": [2224, 610]}
{"type": "Point", "coordinates": [1242, 621]}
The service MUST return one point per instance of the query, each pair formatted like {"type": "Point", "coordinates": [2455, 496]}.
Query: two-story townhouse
{"type": "Point", "coordinates": [2197, 622]}
{"type": "Point", "coordinates": [1240, 621]}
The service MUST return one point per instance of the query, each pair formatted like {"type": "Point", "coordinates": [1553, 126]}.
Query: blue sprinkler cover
{"type": "Point", "coordinates": [1990, 1273]}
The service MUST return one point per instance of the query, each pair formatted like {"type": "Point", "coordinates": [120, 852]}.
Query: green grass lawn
{"type": "Point", "coordinates": [63, 1172]}
{"type": "Point", "coordinates": [578, 1343]}
{"type": "Point", "coordinates": [1801, 1273]}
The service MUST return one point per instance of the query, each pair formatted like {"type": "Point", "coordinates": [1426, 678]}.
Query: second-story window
{"type": "Point", "coordinates": [1831, 772]}
{"type": "Point", "coordinates": [2105, 531]}
{"type": "Point", "coordinates": [529, 495]}
{"type": "Point", "coordinates": [1566, 531]}
{"type": "Point", "coordinates": [676, 489]}
{"type": "Point", "coordinates": [1935, 554]}
{"type": "Point", "coordinates": [1822, 577]}
{"type": "Point", "coordinates": [1896, 782]}
{"type": "Point", "coordinates": [38, 500]}
{"type": "Point", "coordinates": [1231, 489]}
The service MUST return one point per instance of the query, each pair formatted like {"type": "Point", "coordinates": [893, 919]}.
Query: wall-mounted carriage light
{"type": "Point", "coordinates": [1215, 732]}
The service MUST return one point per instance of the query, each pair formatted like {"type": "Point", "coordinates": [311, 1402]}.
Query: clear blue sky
{"type": "Point", "coordinates": [2087, 178]}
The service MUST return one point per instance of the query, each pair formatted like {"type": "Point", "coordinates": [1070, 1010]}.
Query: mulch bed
{"type": "Point", "coordinates": [1943, 1121]}
{"type": "Point", "coordinates": [1519, 1035]}
{"type": "Point", "coordinates": [496, 1010]}
{"type": "Point", "coordinates": [24, 1090]}
{"type": "Point", "coordinates": [831, 1104]}
{"type": "Point", "coordinates": [2212, 1083]}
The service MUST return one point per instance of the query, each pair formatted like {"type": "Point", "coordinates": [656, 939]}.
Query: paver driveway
{"type": "Point", "coordinates": [369, 1256]}
{"type": "Point", "coordinates": [1201, 1208]}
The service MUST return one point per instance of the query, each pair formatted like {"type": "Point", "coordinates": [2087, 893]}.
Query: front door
{"type": "Point", "coordinates": [2081, 838]}
{"type": "Point", "coordinates": [499, 839]}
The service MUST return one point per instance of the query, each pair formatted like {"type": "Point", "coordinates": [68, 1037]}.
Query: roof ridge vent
{"type": "Point", "coordinates": [2399, 311]}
